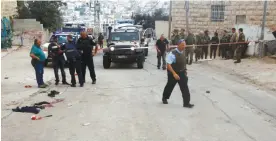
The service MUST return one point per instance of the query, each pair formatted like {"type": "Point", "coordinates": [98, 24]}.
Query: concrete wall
{"type": "Point", "coordinates": [200, 14]}
{"type": "Point", "coordinates": [28, 30]}
{"type": "Point", "coordinates": [161, 27]}
{"type": "Point", "coordinates": [8, 8]}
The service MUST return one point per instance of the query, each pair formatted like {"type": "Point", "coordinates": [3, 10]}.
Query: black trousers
{"type": "Point", "coordinates": [204, 52]}
{"type": "Point", "coordinates": [213, 51]}
{"type": "Point", "coordinates": [183, 84]}
{"type": "Point", "coordinates": [88, 61]}
{"type": "Point", "coordinates": [59, 64]}
{"type": "Point", "coordinates": [75, 66]}
{"type": "Point", "coordinates": [163, 56]}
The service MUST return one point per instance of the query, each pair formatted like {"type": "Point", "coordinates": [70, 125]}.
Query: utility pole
{"type": "Point", "coordinates": [263, 28]}
{"type": "Point", "coordinates": [170, 20]}
{"type": "Point", "coordinates": [187, 14]}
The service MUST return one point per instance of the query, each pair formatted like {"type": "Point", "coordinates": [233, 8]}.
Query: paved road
{"type": "Point", "coordinates": [125, 105]}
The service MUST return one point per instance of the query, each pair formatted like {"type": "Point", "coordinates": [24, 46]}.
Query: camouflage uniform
{"type": "Point", "coordinates": [175, 37]}
{"type": "Point", "coordinates": [234, 38]}
{"type": "Point", "coordinates": [198, 49]}
{"type": "Point", "coordinates": [240, 47]}
{"type": "Point", "coordinates": [205, 40]}
{"type": "Point", "coordinates": [189, 51]}
{"type": "Point", "coordinates": [224, 47]}
{"type": "Point", "coordinates": [182, 35]}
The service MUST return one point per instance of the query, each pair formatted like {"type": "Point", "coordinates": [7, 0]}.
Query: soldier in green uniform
{"type": "Point", "coordinates": [175, 37]}
{"type": "Point", "coordinates": [190, 40]}
{"type": "Point", "coordinates": [205, 41]}
{"type": "Point", "coordinates": [198, 49]}
{"type": "Point", "coordinates": [182, 34]}
{"type": "Point", "coordinates": [240, 46]}
{"type": "Point", "coordinates": [223, 47]}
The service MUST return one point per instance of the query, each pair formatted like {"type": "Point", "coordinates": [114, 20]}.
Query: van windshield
{"type": "Point", "coordinates": [125, 36]}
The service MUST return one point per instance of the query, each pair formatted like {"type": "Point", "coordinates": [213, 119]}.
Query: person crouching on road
{"type": "Point", "coordinates": [74, 60]}
{"type": "Point", "coordinates": [177, 73]}
{"type": "Point", "coordinates": [38, 58]}
{"type": "Point", "coordinates": [161, 47]}
{"type": "Point", "coordinates": [56, 52]}
{"type": "Point", "coordinates": [86, 44]}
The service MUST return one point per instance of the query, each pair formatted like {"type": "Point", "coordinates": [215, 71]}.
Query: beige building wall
{"type": "Point", "coordinates": [8, 8]}
{"type": "Point", "coordinates": [200, 14]}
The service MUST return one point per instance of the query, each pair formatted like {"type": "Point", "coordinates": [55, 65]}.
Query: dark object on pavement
{"type": "Point", "coordinates": [207, 91]}
{"type": "Point", "coordinates": [53, 93]}
{"type": "Point", "coordinates": [28, 86]}
{"type": "Point", "coordinates": [6, 77]}
{"type": "Point", "coordinates": [41, 103]}
{"type": "Point", "coordinates": [27, 109]}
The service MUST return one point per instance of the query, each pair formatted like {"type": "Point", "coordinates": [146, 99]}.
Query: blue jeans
{"type": "Point", "coordinates": [39, 70]}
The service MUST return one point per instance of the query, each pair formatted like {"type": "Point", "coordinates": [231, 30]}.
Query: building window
{"type": "Point", "coordinates": [217, 14]}
{"type": "Point", "coordinates": [240, 19]}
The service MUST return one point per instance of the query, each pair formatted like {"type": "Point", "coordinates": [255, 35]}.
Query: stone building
{"type": "Point", "coordinates": [213, 15]}
{"type": "Point", "coordinates": [8, 8]}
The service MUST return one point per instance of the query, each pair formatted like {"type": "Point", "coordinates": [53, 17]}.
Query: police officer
{"type": "Point", "coordinates": [240, 46]}
{"type": "Point", "coordinates": [56, 52]}
{"type": "Point", "coordinates": [177, 73]}
{"type": "Point", "coordinates": [161, 48]}
{"type": "Point", "coordinates": [86, 44]}
{"type": "Point", "coordinates": [74, 59]}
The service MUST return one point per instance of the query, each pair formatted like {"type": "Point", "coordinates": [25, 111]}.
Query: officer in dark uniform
{"type": "Point", "coordinates": [177, 73]}
{"type": "Point", "coordinates": [74, 59]}
{"type": "Point", "coordinates": [86, 44]}
{"type": "Point", "coordinates": [56, 52]}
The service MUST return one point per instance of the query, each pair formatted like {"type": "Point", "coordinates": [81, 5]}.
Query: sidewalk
{"type": "Point", "coordinates": [16, 72]}
{"type": "Point", "coordinates": [261, 72]}
{"type": "Point", "coordinates": [5, 52]}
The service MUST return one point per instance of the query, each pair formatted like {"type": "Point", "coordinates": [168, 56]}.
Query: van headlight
{"type": "Point", "coordinates": [132, 48]}
{"type": "Point", "coordinates": [112, 48]}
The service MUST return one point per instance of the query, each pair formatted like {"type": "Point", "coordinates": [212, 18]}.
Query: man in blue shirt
{"type": "Point", "coordinates": [177, 73]}
{"type": "Point", "coordinates": [38, 58]}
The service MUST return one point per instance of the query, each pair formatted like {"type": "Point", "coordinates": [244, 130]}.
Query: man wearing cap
{"type": "Point", "coordinates": [74, 58]}
{"type": "Point", "coordinates": [56, 52]}
{"type": "Point", "coordinates": [86, 44]}
{"type": "Point", "coordinates": [177, 73]}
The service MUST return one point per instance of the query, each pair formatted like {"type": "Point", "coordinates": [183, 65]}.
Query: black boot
{"type": "Point", "coordinates": [73, 85]}
{"type": "Point", "coordinates": [165, 101]}
{"type": "Point", "coordinates": [238, 61]}
{"type": "Point", "coordinates": [56, 82]}
{"type": "Point", "coordinates": [188, 105]}
{"type": "Point", "coordinates": [93, 81]}
{"type": "Point", "coordinates": [65, 83]}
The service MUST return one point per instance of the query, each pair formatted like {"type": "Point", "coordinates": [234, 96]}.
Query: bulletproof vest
{"type": "Point", "coordinates": [71, 51]}
{"type": "Point", "coordinates": [86, 46]}
{"type": "Point", "coordinates": [180, 61]}
{"type": "Point", "coordinates": [54, 49]}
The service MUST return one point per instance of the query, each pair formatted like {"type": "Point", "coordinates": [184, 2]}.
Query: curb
{"type": "Point", "coordinates": [11, 51]}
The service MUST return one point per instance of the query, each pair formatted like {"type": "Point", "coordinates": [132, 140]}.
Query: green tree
{"type": "Point", "coordinates": [46, 12]}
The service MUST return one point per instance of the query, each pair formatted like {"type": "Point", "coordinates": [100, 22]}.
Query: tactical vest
{"type": "Point", "coordinates": [180, 61]}
{"type": "Point", "coordinates": [71, 51]}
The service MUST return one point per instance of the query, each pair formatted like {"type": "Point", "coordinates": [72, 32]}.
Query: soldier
{"type": "Point", "coordinates": [233, 40]}
{"type": "Point", "coordinates": [182, 34]}
{"type": "Point", "coordinates": [240, 46]}
{"type": "Point", "coordinates": [205, 41]}
{"type": "Point", "coordinates": [198, 49]}
{"type": "Point", "coordinates": [175, 37]}
{"type": "Point", "coordinates": [189, 51]}
{"type": "Point", "coordinates": [223, 47]}
{"type": "Point", "coordinates": [215, 40]}
{"type": "Point", "coordinates": [177, 73]}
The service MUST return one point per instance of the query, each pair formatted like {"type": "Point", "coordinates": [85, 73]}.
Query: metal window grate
{"type": "Point", "coordinates": [217, 14]}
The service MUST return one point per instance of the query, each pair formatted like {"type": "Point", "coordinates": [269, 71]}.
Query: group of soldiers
{"type": "Point", "coordinates": [229, 45]}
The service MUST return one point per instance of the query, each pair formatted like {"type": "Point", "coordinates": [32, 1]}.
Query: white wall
{"type": "Point", "coordinates": [161, 27]}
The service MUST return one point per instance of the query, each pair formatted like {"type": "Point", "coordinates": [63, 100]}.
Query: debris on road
{"type": "Point", "coordinates": [208, 92]}
{"type": "Point", "coordinates": [53, 93]}
{"type": "Point", "coordinates": [44, 104]}
{"type": "Point", "coordinates": [6, 77]}
{"type": "Point", "coordinates": [86, 124]}
{"type": "Point", "coordinates": [27, 109]}
{"type": "Point", "coordinates": [28, 86]}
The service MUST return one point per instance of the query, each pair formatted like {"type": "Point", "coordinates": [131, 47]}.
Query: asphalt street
{"type": "Point", "coordinates": [125, 105]}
